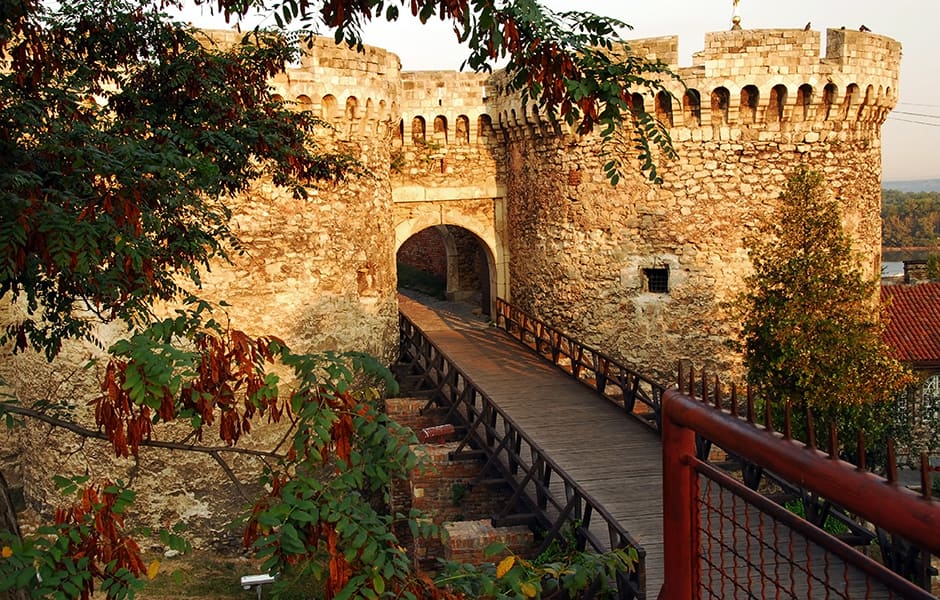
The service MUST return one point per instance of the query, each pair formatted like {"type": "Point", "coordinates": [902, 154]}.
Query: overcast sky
{"type": "Point", "coordinates": [912, 133]}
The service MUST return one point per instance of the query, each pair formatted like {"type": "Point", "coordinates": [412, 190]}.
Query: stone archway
{"type": "Point", "coordinates": [449, 255]}
{"type": "Point", "coordinates": [483, 220]}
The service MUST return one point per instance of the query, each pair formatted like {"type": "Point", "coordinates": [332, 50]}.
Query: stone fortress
{"type": "Point", "coordinates": [503, 203]}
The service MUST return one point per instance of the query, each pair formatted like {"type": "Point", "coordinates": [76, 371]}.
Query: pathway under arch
{"type": "Point", "coordinates": [483, 218]}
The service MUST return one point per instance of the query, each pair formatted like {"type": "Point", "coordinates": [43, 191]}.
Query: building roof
{"type": "Point", "coordinates": [913, 329]}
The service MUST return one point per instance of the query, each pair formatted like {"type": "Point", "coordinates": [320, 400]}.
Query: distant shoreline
{"type": "Point", "coordinates": [912, 185]}
{"type": "Point", "coordinates": [900, 254]}
{"type": "Point", "coordinates": [910, 248]}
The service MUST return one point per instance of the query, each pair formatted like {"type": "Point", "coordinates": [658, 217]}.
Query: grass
{"type": "Point", "coordinates": [831, 526]}
{"type": "Point", "coordinates": [203, 575]}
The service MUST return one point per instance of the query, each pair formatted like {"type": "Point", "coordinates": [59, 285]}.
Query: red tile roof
{"type": "Point", "coordinates": [913, 329]}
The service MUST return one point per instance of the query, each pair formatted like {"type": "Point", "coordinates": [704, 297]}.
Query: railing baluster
{"type": "Point", "coordinates": [698, 568]}
{"type": "Point", "coordinates": [504, 445]}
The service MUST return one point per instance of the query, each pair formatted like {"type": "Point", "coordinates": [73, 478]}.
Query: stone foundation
{"type": "Point", "coordinates": [442, 489]}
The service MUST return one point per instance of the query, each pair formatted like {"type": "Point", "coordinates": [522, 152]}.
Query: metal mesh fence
{"type": "Point", "coordinates": [751, 547]}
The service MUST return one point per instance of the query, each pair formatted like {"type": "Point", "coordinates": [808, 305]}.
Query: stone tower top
{"type": "Point", "coordinates": [775, 80]}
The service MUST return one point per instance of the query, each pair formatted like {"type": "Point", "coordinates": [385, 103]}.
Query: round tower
{"type": "Point", "coordinates": [321, 271]}
{"type": "Point", "coordinates": [645, 271]}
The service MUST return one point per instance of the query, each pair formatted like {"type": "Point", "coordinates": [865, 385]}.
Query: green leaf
{"type": "Point", "coordinates": [494, 549]}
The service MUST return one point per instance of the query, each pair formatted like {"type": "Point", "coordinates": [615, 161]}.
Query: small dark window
{"type": "Point", "coordinates": [657, 280]}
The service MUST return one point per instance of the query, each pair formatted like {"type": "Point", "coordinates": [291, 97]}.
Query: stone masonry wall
{"type": "Point", "coordinates": [758, 104]}
{"type": "Point", "coordinates": [172, 486]}
{"type": "Point", "coordinates": [445, 148]}
{"type": "Point", "coordinates": [446, 144]}
{"type": "Point", "coordinates": [320, 272]}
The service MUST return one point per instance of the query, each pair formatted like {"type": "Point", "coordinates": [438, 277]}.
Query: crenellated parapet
{"type": "Point", "coordinates": [772, 84]}
{"type": "Point", "coordinates": [761, 84]}
{"type": "Point", "coordinates": [769, 83]}
{"type": "Point", "coordinates": [444, 108]}
{"type": "Point", "coordinates": [356, 92]}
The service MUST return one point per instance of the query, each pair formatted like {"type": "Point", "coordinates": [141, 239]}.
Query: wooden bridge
{"type": "Point", "coordinates": [575, 459]}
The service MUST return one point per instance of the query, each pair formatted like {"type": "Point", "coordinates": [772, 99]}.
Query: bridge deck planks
{"type": "Point", "coordinates": [617, 459]}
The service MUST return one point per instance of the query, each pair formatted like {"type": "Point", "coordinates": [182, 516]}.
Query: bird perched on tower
{"type": "Point", "coordinates": [863, 28]}
{"type": "Point", "coordinates": [808, 25]}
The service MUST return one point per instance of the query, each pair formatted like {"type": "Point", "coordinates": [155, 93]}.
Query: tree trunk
{"type": "Point", "coordinates": [8, 520]}
{"type": "Point", "coordinates": [9, 523]}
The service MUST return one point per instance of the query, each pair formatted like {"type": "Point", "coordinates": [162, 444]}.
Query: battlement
{"type": "Point", "coordinates": [774, 79]}
{"type": "Point", "coordinates": [445, 107]}
{"type": "Point", "coordinates": [744, 84]}
{"type": "Point", "coordinates": [357, 92]}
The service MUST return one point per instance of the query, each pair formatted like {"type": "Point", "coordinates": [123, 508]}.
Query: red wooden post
{"type": "Point", "coordinates": [681, 519]}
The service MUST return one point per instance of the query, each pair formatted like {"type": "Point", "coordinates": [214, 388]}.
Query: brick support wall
{"type": "Point", "coordinates": [467, 541]}
{"type": "Point", "coordinates": [407, 412]}
{"type": "Point", "coordinates": [441, 490]}
{"type": "Point", "coordinates": [425, 250]}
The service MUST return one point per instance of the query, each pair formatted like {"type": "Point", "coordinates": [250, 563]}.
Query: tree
{"type": "Point", "coordinates": [910, 218]}
{"type": "Point", "coordinates": [811, 328]}
{"type": "Point", "coordinates": [122, 138]}
{"type": "Point", "coordinates": [933, 267]}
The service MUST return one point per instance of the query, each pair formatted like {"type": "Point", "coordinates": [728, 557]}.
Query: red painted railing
{"type": "Point", "coordinates": [724, 540]}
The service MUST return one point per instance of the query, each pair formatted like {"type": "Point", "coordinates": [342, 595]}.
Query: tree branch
{"type": "Point", "coordinates": [231, 475]}
{"type": "Point", "coordinates": [98, 435]}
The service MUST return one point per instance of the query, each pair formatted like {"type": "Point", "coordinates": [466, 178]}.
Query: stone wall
{"type": "Point", "coordinates": [446, 148]}
{"type": "Point", "coordinates": [172, 486]}
{"type": "Point", "coordinates": [320, 272]}
{"type": "Point", "coordinates": [757, 104]}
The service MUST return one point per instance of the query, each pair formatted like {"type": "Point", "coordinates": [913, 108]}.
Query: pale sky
{"type": "Point", "coordinates": [911, 136]}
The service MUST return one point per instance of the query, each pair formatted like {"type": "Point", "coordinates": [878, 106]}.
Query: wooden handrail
{"type": "Point", "coordinates": [638, 395]}
{"type": "Point", "coordinates": [527, 470]}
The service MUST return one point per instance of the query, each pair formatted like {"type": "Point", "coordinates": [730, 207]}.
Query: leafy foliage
{"type": "Point", "coordinates": [118, 147]}
{"type": "Point", "coordinates": [87, 542]}
{"type": "Point", "coordinates": [910, 218]}
{"type": "Point", "coordinates": [933, 267]}
{"type": "Point", "coordinates": [811, 332]}
{"type": "Point", "coordinates": [122, 139]}
{"type": "Point", "coordinates": [559, 573]}
{"type": "Point", "coordinates": [319, 519]}
{"type": "Point", "coordinates": [915, 419]}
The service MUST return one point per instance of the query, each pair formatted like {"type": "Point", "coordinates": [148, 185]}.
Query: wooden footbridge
{"type": "Point", "coordinates": [579, 439]}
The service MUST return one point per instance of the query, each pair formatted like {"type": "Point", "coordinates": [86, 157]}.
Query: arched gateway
{"type": "Point", "coordinates": [463, 227]}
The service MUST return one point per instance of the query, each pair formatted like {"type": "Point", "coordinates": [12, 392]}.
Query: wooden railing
{"type": "Point", "coordinates": [541, 490]}
{"type": "Point", "coordinates": [637, 394]}
{"type": "Point", "coordinates": [641, 397]}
